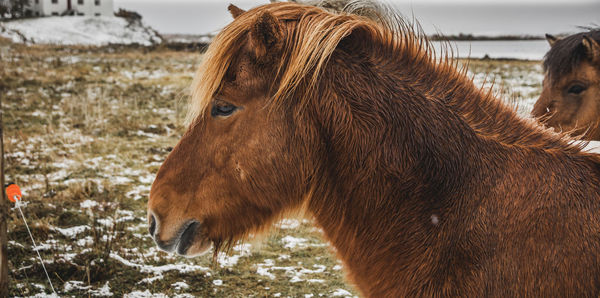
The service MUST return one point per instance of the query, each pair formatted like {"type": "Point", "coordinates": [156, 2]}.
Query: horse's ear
{"type": "Point", "coordinates": [235, 11]}
{"type": "Point", "coordinates": [551, 39]}
{"type": "Point", "coordinates": [266, 35]}
{"type": "Point", "coordinates": [592, 48]}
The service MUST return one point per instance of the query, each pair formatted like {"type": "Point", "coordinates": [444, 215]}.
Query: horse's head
{"type": "Point", "coordinates": [242, 162]}
{"type": "Point", "coordinates": [570, 99]}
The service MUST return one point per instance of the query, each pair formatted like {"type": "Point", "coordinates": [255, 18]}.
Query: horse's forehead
{"type": "Point", "coordinates": [590, 71]}
{"type": "Point", "coordinates": [584, 71]}
{"type": "Point", "coordinates": [243, 78]}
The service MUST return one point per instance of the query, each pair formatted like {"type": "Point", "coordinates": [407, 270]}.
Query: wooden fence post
{"type": "Point", "coordinates": [3, 213]}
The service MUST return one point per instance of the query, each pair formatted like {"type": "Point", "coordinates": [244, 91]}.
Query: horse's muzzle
{"type": "Point", "coordinates": [188, 241]}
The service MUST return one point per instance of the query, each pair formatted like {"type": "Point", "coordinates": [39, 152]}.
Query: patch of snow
{"type": "Point", "coordinates": [217, 282]}
{"type": "Point", "coordinates": [107, 222]}
{"type": "Point", "coordinates": [87, 241]}
{"type": "Point", "coordinates": [103, 291]}
{"type": "Point", "coordinates": [75, 285]}
{"type": "Point", "coordinates": [180, 285]}
{"type": "Point", "coordinates": [229, 261]}
{"type": "Point", "coordinates": [144, 294]}
{"type": "Point", "coordinates": [44, 295]}
{"type": "Point", "coordinates": [120, 180]}
{"type": "Point", "coordinates": [126, 215]}
{"type": "Point", "coordinates": [14, 243]}
{"type": "Point", "coordinates": [88, 204]}
{"type": "Point", "coordinates": [320, 269]}
{"type": "Point", "coordinates": [341, 292]}
{"type": "Point", "coordinates": [39, 286]}
{"type": "Point", "coordinates": [72, 231]}
{"type": "Point", "coordinates": [144, 74]}
{"type": "Point", "coordinates": [288, 223]}
{"type": "Point", "coordinates": [46, 245]}
{"type": "Point", "coordinates": [149, 280]}
{"type": "Point", "coordinates": [148, 179]}
{"type": "Point", "coordinates": [264, 272]}
{"type": "Point", "coordinates": [146, 134]}
{"type": "Point", "coordinates": [78, 30]}
{"type": "Point", "coordinates": [296, 273]}
{"type": "Point", "coordinates": [93, 162]}
{"type": "Point", "coordinates": [38, 114]}
{"type": "Point", "coordinates": [292, 242]}
{"type": "Point", "coordinates": [139, 192]}
{"type": "Point", "coordinates": [158, 270]}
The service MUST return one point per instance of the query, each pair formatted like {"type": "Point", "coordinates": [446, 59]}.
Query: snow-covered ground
{"type": "Point", "coordinates": [85, 134]}
{"type": "Point", "coordinates": [188, 38]}
{"type": "Point", "coordinates": [78, 30]}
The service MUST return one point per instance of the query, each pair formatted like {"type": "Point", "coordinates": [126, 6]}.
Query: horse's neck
{"type": "Point", "coordinates": [389, 220]}
{"type": "Point", "coordinates": [398, 165]}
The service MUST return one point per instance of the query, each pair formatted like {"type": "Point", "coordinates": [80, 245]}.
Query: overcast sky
{"type": "Point", "coordinates": [492, 17]}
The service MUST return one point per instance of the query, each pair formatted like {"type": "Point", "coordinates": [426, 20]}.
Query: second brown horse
{"type": "Point", "coordinates": [570, 99]}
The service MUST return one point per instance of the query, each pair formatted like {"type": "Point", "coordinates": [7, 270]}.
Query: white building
{"type": "Point", "coordinates": [74, 7]}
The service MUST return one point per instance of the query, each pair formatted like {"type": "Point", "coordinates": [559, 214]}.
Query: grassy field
{"type": "Point", "coordinates": [86, 129]}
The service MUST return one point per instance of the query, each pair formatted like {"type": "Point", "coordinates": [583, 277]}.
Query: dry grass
{"type": "Point", "coordinates": [85, 131]}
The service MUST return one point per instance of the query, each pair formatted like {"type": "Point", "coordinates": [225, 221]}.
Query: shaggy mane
{"type": "Point", "coordinates": [313, 34]}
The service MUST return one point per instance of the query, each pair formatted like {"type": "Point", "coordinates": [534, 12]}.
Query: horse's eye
{"type": "Point", "coordinates": [221, 109]}
{"type": "Point", "coordinates": [576, 89]}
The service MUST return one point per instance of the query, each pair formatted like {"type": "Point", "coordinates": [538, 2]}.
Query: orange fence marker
{"type": "Point", "coordinates": [13, 192]}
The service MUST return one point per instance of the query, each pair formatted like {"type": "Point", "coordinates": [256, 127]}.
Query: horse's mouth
{"type": "Point", "coordinates": [187, 237]}
{"type": "Point", "coordinates": [193, 242]}
{"type": "Point", "coordinates": [190, 241]}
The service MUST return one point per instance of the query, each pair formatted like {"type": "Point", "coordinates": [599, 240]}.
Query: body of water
{"type": "Point", "coordinates": [512, 49]}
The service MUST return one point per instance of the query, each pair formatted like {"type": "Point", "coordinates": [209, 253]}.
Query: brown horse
{"type": "Point", "coordinates": [425, 185]}
{"type": "Point", "coordinates": [570, 100]}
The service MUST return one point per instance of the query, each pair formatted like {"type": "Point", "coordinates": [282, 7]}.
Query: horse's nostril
{"type": "Point", "coordinates": [187, 237]}
{"type": "Point", "coordinates": [152, 227]}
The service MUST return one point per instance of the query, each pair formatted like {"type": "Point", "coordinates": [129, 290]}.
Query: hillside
{"type": "Point", "coordinates": [79, 30]}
